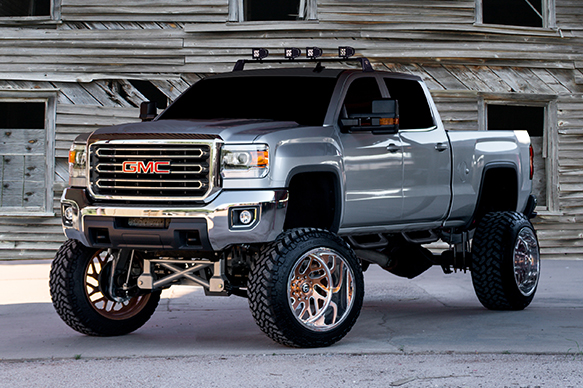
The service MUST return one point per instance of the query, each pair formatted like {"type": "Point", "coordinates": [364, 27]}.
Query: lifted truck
{"type": "Point", "coordinates": [283, 186]}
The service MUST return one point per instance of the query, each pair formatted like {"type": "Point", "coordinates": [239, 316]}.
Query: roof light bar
{"type": "Point", "coordinates": [313, 52]}
{"type": "Point", "coordinates": [292, 53]}
{"type": "Point", "coordinates": [259, 53]}
{"type": "Point", "coordinates": [345, 52]}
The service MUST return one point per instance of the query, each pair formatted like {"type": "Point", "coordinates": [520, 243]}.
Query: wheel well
{"type": "Point", "coordinates": [499, 191]}
{"type": "Point", "coordinates": [313, 201]}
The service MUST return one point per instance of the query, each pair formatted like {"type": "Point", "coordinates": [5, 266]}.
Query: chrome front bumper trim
{"type": "Point", "coordinates": [271, 208]}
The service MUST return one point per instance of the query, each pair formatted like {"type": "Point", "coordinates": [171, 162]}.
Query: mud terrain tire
{"type": "Point", "coordinates": [306, 288]}
{"type": "Point", "coordinates": [75, 291]}
{"type": "Point", "coordinates": [506, 261]}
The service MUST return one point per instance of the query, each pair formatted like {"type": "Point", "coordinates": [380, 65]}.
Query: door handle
{"type": "Point", "coordinates": [441, 147]}
{"type": "Point", "coordinates": [392, 148]}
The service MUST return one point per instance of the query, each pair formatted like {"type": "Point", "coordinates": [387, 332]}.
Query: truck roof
{"type": "Point", "coordinates": [307, 72]}
{"type": "Point", "coordinates": [285, 72]}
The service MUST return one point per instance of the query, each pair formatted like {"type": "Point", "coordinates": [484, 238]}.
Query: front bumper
{"type": "Point", "coordinates": [208, 227]}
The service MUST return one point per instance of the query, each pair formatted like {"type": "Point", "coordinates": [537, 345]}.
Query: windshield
{"type": "Point", "coordinates": [304, 100]}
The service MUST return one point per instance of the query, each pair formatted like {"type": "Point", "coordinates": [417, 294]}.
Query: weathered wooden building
{"type": "Point", "coordinates": [70, 66]}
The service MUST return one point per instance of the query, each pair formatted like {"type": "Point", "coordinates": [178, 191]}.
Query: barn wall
{"type": "Point", "coordinates": [97, 47]}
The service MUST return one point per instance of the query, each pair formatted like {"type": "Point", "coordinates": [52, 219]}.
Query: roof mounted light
{"type": "Point", "coordinates": [345, 52]}
{"type": "Point", "coordinates": [292, 53]}
{"type": "Point", "coordinates": [260, 53]}
{"type": "Point", "coordinates": [313, 55]}
{"type": "Point", "coordinates": [313, 52]}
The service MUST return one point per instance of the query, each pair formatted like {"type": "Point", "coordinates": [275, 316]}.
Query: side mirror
{"type": "Point", "coordinates": [384, 118]}
{"type": "Point", "coordinates": [148, 111]}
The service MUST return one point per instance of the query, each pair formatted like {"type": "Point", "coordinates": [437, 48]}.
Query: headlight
{"type": "Point", "coordinates": [77, 165]}
{"type": "Point", "coordinates": [245, 161]}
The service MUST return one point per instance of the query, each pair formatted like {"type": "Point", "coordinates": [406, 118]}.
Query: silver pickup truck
{"type": "Point", "coordinates": [283, 185]}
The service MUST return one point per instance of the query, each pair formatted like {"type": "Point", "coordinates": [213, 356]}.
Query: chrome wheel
{"type": "Point", "coordinates": [119, 309]}
{"type": "Point", "coordinates": [526, 261]}
{"type": "Point", "coordinates": [321, 289]}
{"type": "Point", "coordinates": [505, 261]}
{"type": "Point", "coordinates": [306, 288]}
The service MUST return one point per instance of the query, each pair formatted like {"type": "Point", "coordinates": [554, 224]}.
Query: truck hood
{"type": "Point", "coordinates": [231, 130]}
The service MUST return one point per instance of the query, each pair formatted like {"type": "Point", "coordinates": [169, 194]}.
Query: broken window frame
{"type": "Point", "coordinates": [550, 137]}
{"type": "Point", "coordinates": [548, 16]}
{"type": "Point", "coordinates": [308, 10]}
{"type": "Point", "coordinates": [49, 97]}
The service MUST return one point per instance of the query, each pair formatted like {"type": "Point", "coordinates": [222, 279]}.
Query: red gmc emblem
{"type": "Point", "coordinates": [139, 167]}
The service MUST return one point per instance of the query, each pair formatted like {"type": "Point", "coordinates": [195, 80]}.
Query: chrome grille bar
{"type": "Point", "coordinates": [117, 167]}
{"type": "Point", "coordinates": [152, 170]}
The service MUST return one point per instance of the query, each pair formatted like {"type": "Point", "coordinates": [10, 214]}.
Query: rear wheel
{"type": "Point", "coordinates": [306, 289]}
{"type": "Point", "coordinates": [506, 261]}
{"type": "Point", "coordinates": [81, 293]}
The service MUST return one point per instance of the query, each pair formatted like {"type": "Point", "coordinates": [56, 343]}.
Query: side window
{"type": "Point", "coordinates": [359, 97]}
{"type": "Point", "coordinates": [272, 10]}
{"type": "Point", "coordinates": [414, 111]}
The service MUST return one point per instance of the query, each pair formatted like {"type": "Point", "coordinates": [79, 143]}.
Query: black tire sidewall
{"type": "Point", "coordinates": [493, 261]}
{"type": "Point", "coordinates": [290, 331]}
{"type": "Point", "coordinates": [72, 302]}
{"type": "Point", "coordinates": [282, 286]}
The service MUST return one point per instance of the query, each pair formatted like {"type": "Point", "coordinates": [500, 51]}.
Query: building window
{"type": "Point", "coordinates": [502, 115]}
{"type": "Point", "coordinates": [26, 147]}
{"type": "Point", "coordinates": [271, 10]}
{"type": "Point", "coordinates": [29, 10]}
{"type": "Point", "coordinates": [523, 13]}
{"type": "Point", "coordinates": [12, 8]}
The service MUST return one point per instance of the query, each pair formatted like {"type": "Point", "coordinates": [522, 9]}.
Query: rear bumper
{"type": "Point", "coordinates": [211, 227]}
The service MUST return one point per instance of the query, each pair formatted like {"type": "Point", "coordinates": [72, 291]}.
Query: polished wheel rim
{"type": "Point", "coordinates": [526, 261]}
{"type": "Point", "coordinates": [117, 310]}
{"type": "Point", "coordinates": [321, 289]}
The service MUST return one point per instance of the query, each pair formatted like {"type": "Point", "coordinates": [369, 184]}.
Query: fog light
{"type": "Point", "coordinates": [246, 217]}
{"type": "Point", "coordinates": [69, 213]}
{"type": "Point", "coordinates": [243, 218]}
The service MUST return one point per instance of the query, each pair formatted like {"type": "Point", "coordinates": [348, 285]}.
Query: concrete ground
{"type": "Point", "coordinates": [427, 332]}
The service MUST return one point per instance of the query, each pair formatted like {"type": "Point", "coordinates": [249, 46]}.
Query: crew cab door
{"type": "Point", "coordinates": [373, 163]}
{"type": "Point", "coordinates": [426, 153]}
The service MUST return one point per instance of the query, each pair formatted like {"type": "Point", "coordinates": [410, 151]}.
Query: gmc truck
{"type": "Point", "coordinates": [283, 185]}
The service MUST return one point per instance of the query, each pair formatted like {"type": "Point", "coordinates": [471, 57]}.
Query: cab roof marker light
{"type": "Point", "coordinates": [259, 53]}
{"type": "Point", "coordinates": [292, 53]}
{"type": "Point", "coordinates": [345, 51]}
{"type": "Point", "coordinates": [313, 52]}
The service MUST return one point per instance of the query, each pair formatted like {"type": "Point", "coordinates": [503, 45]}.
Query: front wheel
{"type": "Point", "coordinates": [306, 289]}
{"type": "Point", "coordinates": [79, 283]}
{"type": "Point", "coordinates": [506, 261]}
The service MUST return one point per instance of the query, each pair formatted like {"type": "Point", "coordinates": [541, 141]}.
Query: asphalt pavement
{"type": "Point", "coordinates": [429, 331]}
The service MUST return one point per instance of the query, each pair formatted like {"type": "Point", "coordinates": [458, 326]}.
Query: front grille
{"type": "Point", "coordinates": [150, 170]}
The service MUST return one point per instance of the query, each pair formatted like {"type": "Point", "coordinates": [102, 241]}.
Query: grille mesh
{"type": "Point", "coordinates": [135, 171]}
